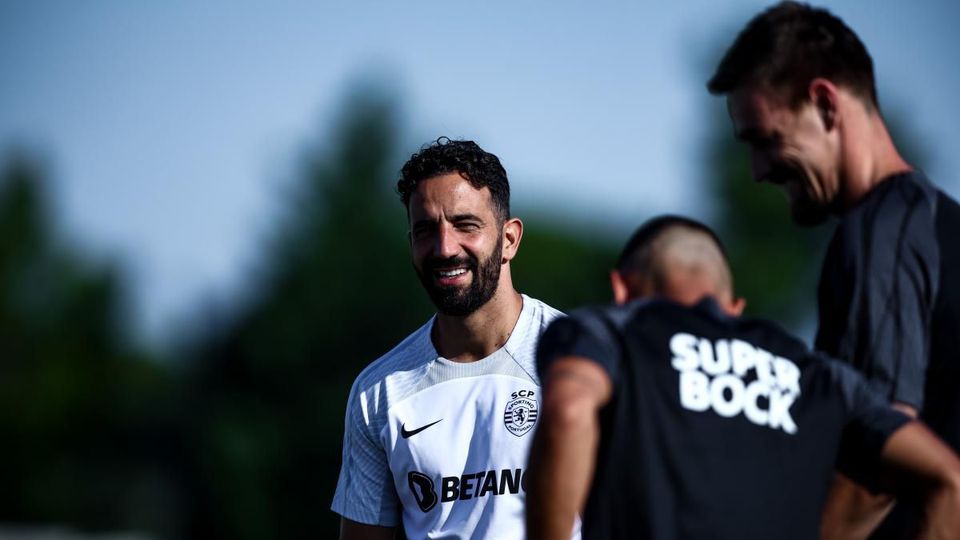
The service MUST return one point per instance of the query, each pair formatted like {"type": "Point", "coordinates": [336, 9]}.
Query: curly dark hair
{"type": "Point", "coordinates": [789, 45]}
{"type": "Point", "coordinates": [444, 156]}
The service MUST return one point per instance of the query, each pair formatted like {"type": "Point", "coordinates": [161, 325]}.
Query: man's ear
{"type": "Point", "coordinates": [825, 97]}
{"type": "Point", "coordinates": [621, 292]}
{"type": "Point", "coordinates": [735, 307]}
{"type": "Point", "coordinates": [512, 233]}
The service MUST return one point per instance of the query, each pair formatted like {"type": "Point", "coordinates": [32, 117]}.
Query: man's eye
{"type": "Point", "coordinates": [468, 226]}
{"type": "Point", "coordinates": [420, 233]}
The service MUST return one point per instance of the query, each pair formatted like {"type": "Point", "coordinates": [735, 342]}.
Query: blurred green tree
{"type": "Point", "coordinates": [79, 406]}
{"type": "Point", "coordinates": [332, 292]}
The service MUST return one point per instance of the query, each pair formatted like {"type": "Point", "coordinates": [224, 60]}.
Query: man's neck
{"type": "Point", "coordinates": [869, 159]}
{"type": "Point", "coordinates": [478, 335]}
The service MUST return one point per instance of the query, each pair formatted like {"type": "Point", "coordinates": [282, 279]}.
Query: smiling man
{"type": "Point", "coordinates": [437, 430]}
{"type": "Point", "coordinates": [801, 94]}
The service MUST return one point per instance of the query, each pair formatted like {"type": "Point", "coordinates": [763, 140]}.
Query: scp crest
{"type": "Point", "coordinates": [520, 415]}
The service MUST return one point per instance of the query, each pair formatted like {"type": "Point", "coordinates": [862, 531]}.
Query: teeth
{"type": "Point", "coordinates": [451, 273]}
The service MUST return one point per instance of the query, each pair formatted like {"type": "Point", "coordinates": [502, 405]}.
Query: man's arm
{"type": "Point", "coordinates": [352, 530]}
{"type": "Point", "coordinates": [916, 456]}
{"type": "Point", "coordinates": [365, 498]}
{"type": "Point", "coordinates": [914, 459]}
{"type": "Point", "coordinates": [852, 512]}
{"type": "Point", "coordinates": [564, 448]}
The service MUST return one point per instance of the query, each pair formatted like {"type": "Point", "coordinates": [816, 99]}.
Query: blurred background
{"type": "Point", "coordinates": [201, 247]}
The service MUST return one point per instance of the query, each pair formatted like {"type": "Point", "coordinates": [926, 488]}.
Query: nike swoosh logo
{"type": "Point", "coordinates": [407, 434]}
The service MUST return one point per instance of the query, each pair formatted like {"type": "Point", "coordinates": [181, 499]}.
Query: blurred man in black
{"type": "Point", "coordinates": [673, 417]}
{"type": "Point", "coordinates": [801, 94]}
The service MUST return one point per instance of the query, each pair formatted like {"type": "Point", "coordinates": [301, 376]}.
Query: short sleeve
{"type": "Point", "coordinates": [870, 421]}
{"type": "Point", "coordinates": [584, 333]}
{"type": "Point", "coordinates": [878, 288]}
{"type": "Point", "coordinates": [365, 490]}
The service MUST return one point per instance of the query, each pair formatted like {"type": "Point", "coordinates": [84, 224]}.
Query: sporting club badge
{"type": "Point", "coordinates": [521, 412]}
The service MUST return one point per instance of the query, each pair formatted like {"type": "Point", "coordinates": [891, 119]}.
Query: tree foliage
{"type": "Point", "coordinates": [79, 407]}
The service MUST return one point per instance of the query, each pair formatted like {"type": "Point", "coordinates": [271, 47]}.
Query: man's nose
{"type": "Point", "coordinates": [447, 245]}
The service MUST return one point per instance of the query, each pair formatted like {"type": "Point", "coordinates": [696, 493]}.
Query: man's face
{"type": "Point", "coordinates": [793, 149]}
{"type": "Point", "coordinates": [456, 241]}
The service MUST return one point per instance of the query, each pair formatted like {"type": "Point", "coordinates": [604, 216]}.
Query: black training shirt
{"type": "Point", "coordinates": [889, 302]}
{"type": "Point", "coordinates": [718, 427]}
{"type": "Point", "coordinates": [878, 286]}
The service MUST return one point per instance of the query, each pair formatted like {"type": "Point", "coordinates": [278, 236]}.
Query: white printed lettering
{"type": "Point", "coordinates": [712, 376]}
{"type": "Point", "coordinates": [694, 391]}
{"type": "Point", "coordinates": [788, 376]}
{"type": "Point", "coordinates": [714, 361]}
{"type": "Point", "coordinates": [684, 349]}
{"type": "Point", "coordinates": [780, 404]}
{"type": "Point", "coordinates": [718, 389]}
{"type": "Point", "coordinates": [751, 407]}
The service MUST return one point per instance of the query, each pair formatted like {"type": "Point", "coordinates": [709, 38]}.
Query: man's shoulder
{"type": "Point", "coordinates": [541, 311]}
{"type": "Point", "coordinates": [901, 196]}
{"type": "Point", "coordinates": [407, 360]}
{"type": "Point", "coordinates": [637, 310]}
{"type": "Point", "coordinates": [605, 321]}
{"type": "Point", "coordinates": [614, 316]}
{"type": "Point", "coordinates": [534, 319]}
{"type": "Point", "coordinates": [900, 211]}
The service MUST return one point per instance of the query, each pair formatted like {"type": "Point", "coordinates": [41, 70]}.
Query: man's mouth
{"type": "Point", "coordinates": [451, 276]}
{"type": "Point", "coordinates": [782, 172]}
{"type": "Point", "coordinates": [782, 178]}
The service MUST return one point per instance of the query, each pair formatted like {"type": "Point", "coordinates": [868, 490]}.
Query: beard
{"type": "Point", "coordinates": [806, 213]}
{"type": "Point", "coordinates": [462, 301]}
{"type": "Point", "coordinates": [804, 209]}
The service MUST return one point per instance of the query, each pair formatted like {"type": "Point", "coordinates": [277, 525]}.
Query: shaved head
{"type": "Point", "coordinates": [677, 258]}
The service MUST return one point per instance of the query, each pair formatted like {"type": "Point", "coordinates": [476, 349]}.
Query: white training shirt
{"type": "Point", "coordinates": [442, 443]}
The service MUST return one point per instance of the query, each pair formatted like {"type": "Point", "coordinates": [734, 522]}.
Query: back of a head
{"type": "Point", "coordinates": [789, 45]}
{"type": "Point", "coordinates": [677, 258]}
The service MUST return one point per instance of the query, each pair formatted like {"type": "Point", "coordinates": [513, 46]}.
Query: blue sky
{"type": "Point", "coordinates": [167, 127]}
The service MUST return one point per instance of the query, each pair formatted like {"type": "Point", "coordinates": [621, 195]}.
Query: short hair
{"type": "Point", "coordinates": [789, 45]}
{"type": "Point", "coordinates": [644, 256]}
{"type": "Point", "coordinates": [466, 158]}
{"type": "Point", "coordinates": [637, 251]}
